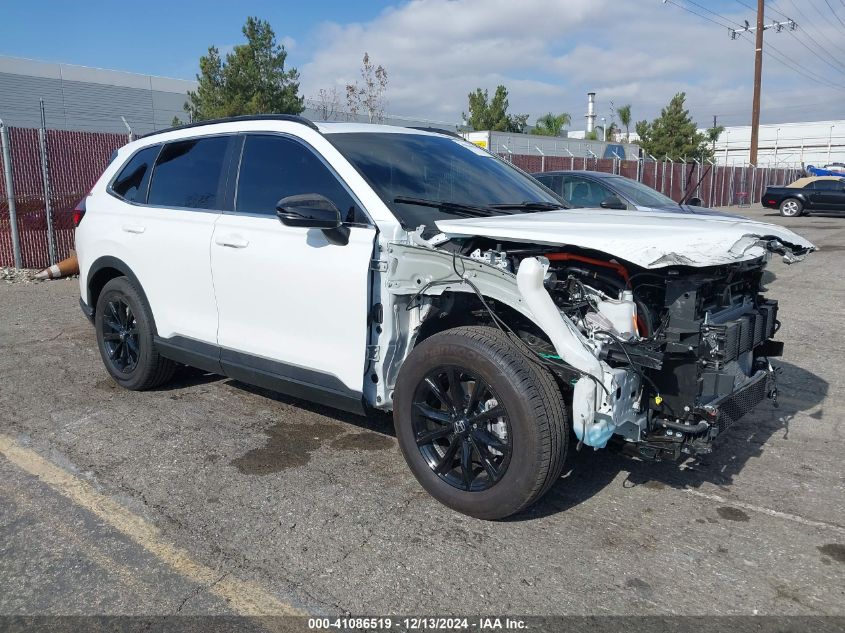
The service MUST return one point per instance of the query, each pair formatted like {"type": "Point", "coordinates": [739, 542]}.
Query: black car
{"type": "Point", "coordinates": [820, 193]}
{"type": "Point", "coordinates": [609, 191]}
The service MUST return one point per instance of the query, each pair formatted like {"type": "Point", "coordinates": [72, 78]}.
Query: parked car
{"type": "Point", "coordinates": [805, 195]}
{"type": "Point", "coordinates": [370, 267]}
{"type": "Point", "coordinates": [594, 189]}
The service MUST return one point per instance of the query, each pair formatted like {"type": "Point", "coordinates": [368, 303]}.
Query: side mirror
{"type": "Point", "coordinates": [694, 202]}
{"type": "Point", "coordinates": [613, 202]}
{"type": "Point", "coordinates": [313, 211]}
{"type": "Point", "coordinates": [310, 210]}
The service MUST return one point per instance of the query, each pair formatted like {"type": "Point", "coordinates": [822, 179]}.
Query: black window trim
{"type": "Point", "coordinates": [233, 195]}
{"type": "Point", "coordinates": [222, 186]}
{"type": "Point", "coordinates": [110, 187]}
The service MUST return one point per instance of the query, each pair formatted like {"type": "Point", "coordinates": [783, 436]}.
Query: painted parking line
{"type": "Point", "coordinates": [762, 510]}
{"type": "Point", "coordinates": [243, 597]}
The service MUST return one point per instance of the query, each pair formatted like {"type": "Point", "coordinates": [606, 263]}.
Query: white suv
{"type": "Point", "coordinates": [374, 267]}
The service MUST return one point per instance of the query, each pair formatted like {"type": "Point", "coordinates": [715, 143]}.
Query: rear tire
{"type": "Point", "coordinates": [124, 326]}
{"type": "Point", "coordinates": [508, 422]}
{"type": "Point", "coordinates": [791, 208]}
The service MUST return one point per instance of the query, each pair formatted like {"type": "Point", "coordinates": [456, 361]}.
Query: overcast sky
{"type": "Point", "coordinates": [547, 53]}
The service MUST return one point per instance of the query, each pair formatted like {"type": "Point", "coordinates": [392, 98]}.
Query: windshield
{"type": "Point", "coordinates": [438, 169]}
{"type": "Point", "coordinates": [640, 194]}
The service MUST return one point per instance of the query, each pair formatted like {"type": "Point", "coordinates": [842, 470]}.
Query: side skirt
{"type": "Point", "coordinates": [280, 377]}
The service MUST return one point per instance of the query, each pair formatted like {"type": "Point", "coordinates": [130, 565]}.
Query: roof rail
{"type": "Point", "coordinates": [435, 130]}
{"type": "Point", "coordinates": [234, 119]}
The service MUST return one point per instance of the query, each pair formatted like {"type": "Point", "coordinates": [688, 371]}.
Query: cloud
{"type": "Point", "coordinates": [549, 54]}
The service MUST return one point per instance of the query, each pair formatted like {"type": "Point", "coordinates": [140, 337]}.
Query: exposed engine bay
{"type": "Point", "coordinates": [661, 359]}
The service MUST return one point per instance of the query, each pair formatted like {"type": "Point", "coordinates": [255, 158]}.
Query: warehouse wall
{"type": "Point", "coordinates": [87, 99]}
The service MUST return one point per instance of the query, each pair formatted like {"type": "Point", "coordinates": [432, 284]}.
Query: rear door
{"type": "Point", "coordinates": [293, 306]}
{"type": "Point", "coordinates": [167, 231]}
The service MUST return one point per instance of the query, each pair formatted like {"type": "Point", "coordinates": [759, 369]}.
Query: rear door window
{"type": "Point", "coordinates": [274, 167]}
{"type": "Point", "coordinates": [188, 174]}
{"type": "Point", "coordinates": [132, 181]}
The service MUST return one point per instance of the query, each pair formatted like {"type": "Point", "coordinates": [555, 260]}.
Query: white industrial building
{"type": "Point", "coordinates": [785, 144]}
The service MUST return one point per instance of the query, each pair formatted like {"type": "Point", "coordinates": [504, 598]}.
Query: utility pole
{"type": "Point", "coordinates": [715, 116]}
{"type": "Point", "coordinates": [758, 68]}
{"type": "Point", "coordinates": [758, 79]}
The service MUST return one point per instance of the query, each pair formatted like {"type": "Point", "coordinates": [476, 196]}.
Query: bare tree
{"type": "Point", "coordinates": [368, 96]}
{"type": "Point", "coordinates": [327, 103]}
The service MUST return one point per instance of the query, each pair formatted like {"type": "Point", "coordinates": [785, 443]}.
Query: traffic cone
{"type": "Point", "coordinates": [69, 266]}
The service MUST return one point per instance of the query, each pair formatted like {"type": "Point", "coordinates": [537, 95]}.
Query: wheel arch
{"type": "Point", "coordinates": [102, 271]}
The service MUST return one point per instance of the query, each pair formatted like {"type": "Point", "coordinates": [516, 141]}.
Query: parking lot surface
{"type": "Point", "coordinates": [210, 496]}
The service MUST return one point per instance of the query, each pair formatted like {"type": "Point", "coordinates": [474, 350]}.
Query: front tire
{"type": "Point", "coordinates": [791, 208]}
{"type": "Point", "coordinates": [482, 426]}
{"type": "Point", "coordinates": [124, 326]}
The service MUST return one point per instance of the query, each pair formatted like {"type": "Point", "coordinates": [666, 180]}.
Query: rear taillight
{"type": "Point", "coordinates": [79, 212]}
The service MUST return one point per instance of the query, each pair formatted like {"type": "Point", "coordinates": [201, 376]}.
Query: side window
{"type": "Point", "coordinates": [581, 192]}
{"type": "Point", "coordinates": [131, 183]}
{"type": "Point", "coordinates": [828, 185]}
{"type": "Point", "coordinates": [188, 173]}
{"type": "Point", "coordinates": [274, 167]}
{"type": "Point", "coordinates": [553, 182]}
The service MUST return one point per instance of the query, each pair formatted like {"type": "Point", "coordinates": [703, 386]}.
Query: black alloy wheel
{"type": "Point", "coordinates": [120, 335]}
{"type": "Point", "coordinates": [482, 425]}
{"type": "Point", "coordinates": [461, 429]}
{"type": "Point", "coordinates": [125, 329]}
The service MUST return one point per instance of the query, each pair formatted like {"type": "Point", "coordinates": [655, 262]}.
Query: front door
{"type": "Point", "coordinates": [292, 305]}
{"type": "Point", "coordinates": [829, 195]}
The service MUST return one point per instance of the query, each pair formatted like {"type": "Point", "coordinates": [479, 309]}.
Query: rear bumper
{"type": "Point", "coordinates": [87, 310]}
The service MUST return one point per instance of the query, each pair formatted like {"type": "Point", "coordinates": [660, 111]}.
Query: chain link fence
{"type": "Point", "coordinates": [48, 179]}
{"type": "Point", "coordinates": [716, 185]}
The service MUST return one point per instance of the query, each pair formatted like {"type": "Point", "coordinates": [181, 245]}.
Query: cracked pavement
{"type": "Point", "coordinates": [317, 508]}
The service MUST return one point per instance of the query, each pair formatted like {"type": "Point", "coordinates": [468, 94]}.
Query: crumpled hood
{"type": "Point", "coordinates": [649, 240]}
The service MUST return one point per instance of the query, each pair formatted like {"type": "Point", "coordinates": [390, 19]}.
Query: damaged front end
{"type": "Point", "coordinates": [664, 359]}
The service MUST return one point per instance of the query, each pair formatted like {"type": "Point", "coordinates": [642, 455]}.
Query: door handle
{"type": "Point", "coordinates": [134, 228]}
{"type": "Point", "coordinates": [232, 241]}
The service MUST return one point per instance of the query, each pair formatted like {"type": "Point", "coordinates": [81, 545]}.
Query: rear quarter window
{"type": "Point", "coordinates": [132, 181]}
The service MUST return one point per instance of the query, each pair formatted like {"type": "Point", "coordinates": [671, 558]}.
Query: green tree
{"type": "Point", "coordinates": [713, 134]}
{"type": "Point", "coordinates": [674, 134]}
{"type": "Point", "coordinates": [624, 113]}
{"type": "Point", "coordinates": [551, 124]}
{"type": "Point", "coordinates": [492, 114]}
{"type": "Point", "coordinates": [251, 80]}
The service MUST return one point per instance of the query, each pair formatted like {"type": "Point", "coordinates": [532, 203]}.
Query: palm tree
{"type": "Point", "coordinates": [551, 124]}
{"type": "Point", "coordinates": [611, 131]}
{"type": "Point", "coordinates": [624, 113]}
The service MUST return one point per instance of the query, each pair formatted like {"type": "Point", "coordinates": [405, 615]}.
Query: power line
{"type": "Point", "coordinates": [834, 13]}
{"type": "Point", "coordinates": [827, 61]}
{"type": "Point", "coordinates": [727, 19]}
{"type": "Point", "coordinates": [810, 23]}
{"type": "Point", "coordinates": [704, 17]}
{"type": "Point", "coordinates": [784, 60]}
